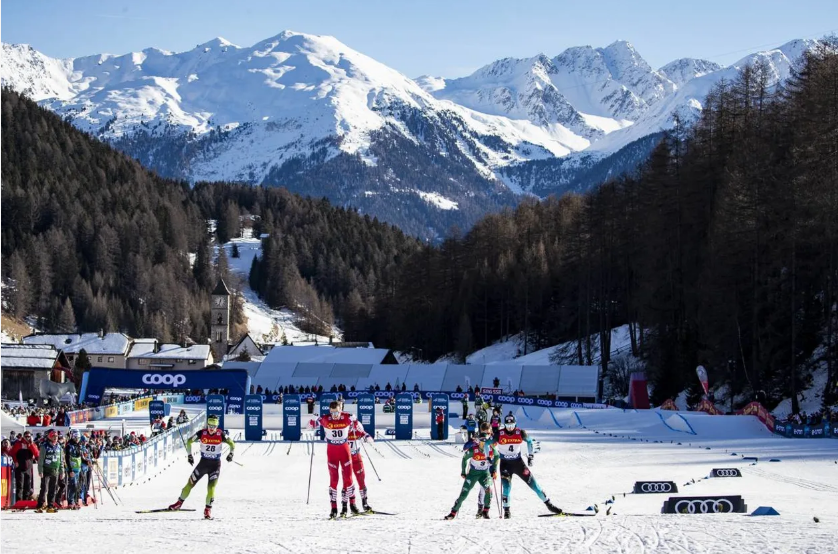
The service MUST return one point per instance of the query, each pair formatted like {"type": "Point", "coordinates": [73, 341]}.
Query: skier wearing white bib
{"type": "Point", "coordinates": [212, 438]}
{"type": "Point", "coordinates": [508, 442]}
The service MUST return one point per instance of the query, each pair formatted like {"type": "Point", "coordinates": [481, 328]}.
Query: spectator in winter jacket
{"type": "Point", "coordinates": [73, 462]}
{"type": "Point", "coordinates": [50, 470]}
{"type": "Point", "coordinates": [24, 453]}
{"type": "Point", "coordinates": [84, 474]}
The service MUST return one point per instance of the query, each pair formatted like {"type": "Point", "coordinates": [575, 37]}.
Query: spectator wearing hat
{"type": "Point", "coordinates": [73, 451]}
{"type": "Point", "coordinates": [24, 453]}
{"type": "Point", "coordinates": [50, 470]}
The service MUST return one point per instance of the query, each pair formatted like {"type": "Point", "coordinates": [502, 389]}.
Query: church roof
{"type": "Point", "coordinates": [221, 289]}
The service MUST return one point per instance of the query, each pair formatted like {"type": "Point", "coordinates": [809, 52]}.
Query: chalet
{"type": "Point", "coordinates": [24, 365]}
{"type": "Point", "coordinates": [169, 356]}
{"type": "Point", "coordinates": [103, 349]}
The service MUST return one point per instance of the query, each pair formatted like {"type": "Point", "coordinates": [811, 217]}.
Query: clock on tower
{"type": "Point", "coordinates": [220, 319]}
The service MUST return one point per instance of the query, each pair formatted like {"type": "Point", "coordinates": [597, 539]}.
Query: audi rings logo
{"type": "Point", "coordinates": [174, 380]}
{"type": "Point", "coordinates": [706, 506]}
{"type": "Point", "coordinates": [727, 472]}
{"type": "Point", "coordinates": [656, 487]}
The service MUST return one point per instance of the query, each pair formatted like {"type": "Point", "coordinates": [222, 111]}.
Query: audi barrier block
{"type": "Point", "coordinates": [704, 505]}
{"type": "Point", "coordinates": [654, 487]}
{"type": "Point", "coordinates": [725, 472]}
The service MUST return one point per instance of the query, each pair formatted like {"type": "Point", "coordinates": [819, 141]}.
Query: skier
{"type": "Point", "coordinates": [471, 427]}
{"type": "Point", "coordinates": [481, 492]}
{"type": "Point", "coordinates": [479, 466]}
{"type": "Point", "coordinates": [336, 427]}
{"type": "Point", "coordinates": [356, 435]}
{"type": "Point", "coordinates": [508, 443]}
{"type": "Point", "coordinates": [211, 439]}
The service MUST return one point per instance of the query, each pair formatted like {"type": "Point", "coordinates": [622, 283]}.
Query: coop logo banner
{"type": "Point", "coordinates": [253, 417]}
{"type": "Point", "coordinates": [366, 412]}
{"type": "Point", "coordinates": [172, 380]}
{"type": "Point", "coordinates": [291, 417]}
{"type": "Point", "coordinates": [156, 408]}
{"type": "Point", "coordinates": [216, 407]}
{"type": "Point", "coordinates": [404, 416]}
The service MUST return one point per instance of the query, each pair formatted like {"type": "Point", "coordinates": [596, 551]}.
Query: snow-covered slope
{"type": "Point", "coordinates": [265, 324]}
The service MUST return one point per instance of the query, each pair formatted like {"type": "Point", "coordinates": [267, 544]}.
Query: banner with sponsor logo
{"type": "Point", "coordinates": [792, 430]}
{"type": "Point", "coordinates": [404, 416]}
{"type": "Point", "coordinates": [141, 404]}
{"type": "Point", "coordinates": [235, 402]}
{"type": "Point", "coordinates": [111, 411]}
{"type": "Point", "coordinates": [6, 478]}
{"type": "Point", "coordinates": [156, 408]}
{"type": "Point", "coordinates": [291, 416]}
{"type": "Point", "coordinates": [253, 417]}
{"type": "Point", "coordinates": [366, 412]}
{"type": "Point", "coordinates": [216, 407]}
{"type": "Point", "coordinates": [757, 409]}
{"type": "Point", "coordinates": [95, 381]}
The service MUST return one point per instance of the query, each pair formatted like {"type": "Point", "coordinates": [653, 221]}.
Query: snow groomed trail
{"type": "Point", "coordinates": [587, 456]}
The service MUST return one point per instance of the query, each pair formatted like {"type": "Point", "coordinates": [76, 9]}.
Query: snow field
{"type": "Point", "coordinates": [261, 506]}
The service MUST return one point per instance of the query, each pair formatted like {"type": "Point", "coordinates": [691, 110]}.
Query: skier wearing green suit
{"type": "Point", "coordinates": [479, 467]}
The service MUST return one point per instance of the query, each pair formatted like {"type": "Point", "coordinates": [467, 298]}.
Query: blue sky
{"type": "Point", "coordinates": [442, 38]}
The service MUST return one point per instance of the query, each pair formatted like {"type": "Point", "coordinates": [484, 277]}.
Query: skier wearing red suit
{"type": "Point", "coordinates": [336, 427]}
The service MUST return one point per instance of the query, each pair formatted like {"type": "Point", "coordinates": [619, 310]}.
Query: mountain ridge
{"type": "Point", "coordinates": [225, 112]}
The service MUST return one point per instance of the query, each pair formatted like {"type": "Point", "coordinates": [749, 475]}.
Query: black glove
{"type": "Point", "coordinates": [190, 459]}
{"type": "Point", "coordinates": [230, 457]}
{"type": "Point", "coordinates": [530, 458]}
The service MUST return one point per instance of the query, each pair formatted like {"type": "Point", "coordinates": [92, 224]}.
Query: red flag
{"type": "Point", "coordinates": [702, 377]}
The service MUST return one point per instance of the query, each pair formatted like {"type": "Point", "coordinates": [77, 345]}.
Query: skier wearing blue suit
{"type": "Point", "coordinates": [508, 443]}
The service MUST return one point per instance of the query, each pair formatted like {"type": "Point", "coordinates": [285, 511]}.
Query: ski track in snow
{"type": "Point", "coordinates": [261, 507]}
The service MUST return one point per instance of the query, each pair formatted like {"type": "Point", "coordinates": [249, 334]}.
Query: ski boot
{"type": "Point", "coordinates": [343, 511]}
{"type": "Point", "coordinates": [176, 506]}
{"type": "Point", "coordinates": [207, 512]}
{"type": "Point", "coordinates": [366, 506]}
{"type": "Point", "coordinates": [41, 509]}
{"type": "Point", "coordinates": [484, 514]}
{"type": "Point", "coordinates": [552, 508]}
{"type": "Point", "coordinates": [51, 510]}
{"type": "Point", "coordinates": [354, 509]}
{"type": "Point", "coordinates": [334, 513]}
{"type": "Point", "coordinates": [506, 514]}
{"type": "Point", "coordinates": [479, 513]}
{"type": "Point", "coordinates": [452, 515]}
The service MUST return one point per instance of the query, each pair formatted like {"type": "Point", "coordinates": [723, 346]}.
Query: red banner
{"type": "Point", "coordinates": [708, 407]}
{"type": "Point", "coordinates": [757, 409]}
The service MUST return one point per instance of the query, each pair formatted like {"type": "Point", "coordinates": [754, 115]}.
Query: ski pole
{"type": "Point", "coordinates": [107, 488]}
{"type": "Point", "coordinates": [310, 466]}
{"type": "Point", "coordinates": [369, 459]}
{"type": "Point", "coordinates": [289, 449]}
{"type": "Point", "coordinates": [495, 484]}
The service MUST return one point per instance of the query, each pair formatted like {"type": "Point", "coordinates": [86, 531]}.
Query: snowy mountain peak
{"type": "Point", "coordinates": [217, 42]}
{"type": "Point", "coordinates": [682, 70]}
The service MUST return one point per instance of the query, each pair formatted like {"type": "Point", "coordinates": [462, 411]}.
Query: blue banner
{"type": "Point", "coordinates": [215, 406]}
{"type": "Point", "coordinates": [797, 431]}
{"type": "Point", "coordinates": [325, 399]}
{"type": "Point", "coordinates": [439, 404]}
{"type": "Point", "coordinates": [404, 416]}
{"type": "Point", "coordinates": [235, 403]}
{"type": "Point", "coordinates": [291, 415]}
{"type": "Point", "coordinates": [156, 408]}
{"type": "Point", "coordinates": [366, 412]}
{"type": "Point", "coordinates": [253, 417]}
{"type": "Point", "coordinates": [97, 379]}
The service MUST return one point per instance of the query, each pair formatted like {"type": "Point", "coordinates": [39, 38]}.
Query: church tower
{"type": "Point", "coordinates": [220, 319]}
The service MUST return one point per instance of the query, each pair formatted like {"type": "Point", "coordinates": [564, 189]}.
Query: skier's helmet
{"type": "Point", "coordinates": [212, 422]}
{"type": "Point", "coordinates": [509, 422]}
{"type": "Point", "coordinates": [74, 434]}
